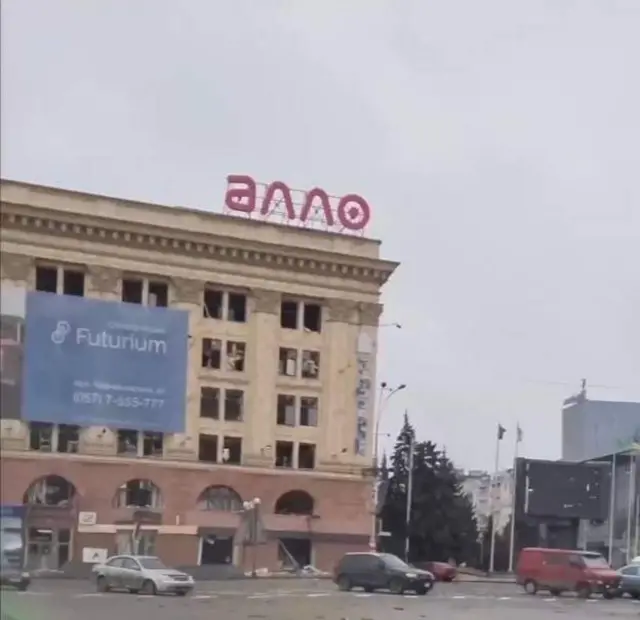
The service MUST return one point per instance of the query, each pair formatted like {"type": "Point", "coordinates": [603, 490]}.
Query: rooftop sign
{"type": "Point", "coordinates": [313, 208]}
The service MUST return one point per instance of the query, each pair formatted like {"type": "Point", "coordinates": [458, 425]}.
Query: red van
{"type": "Point", "coordinates": [565, 570]}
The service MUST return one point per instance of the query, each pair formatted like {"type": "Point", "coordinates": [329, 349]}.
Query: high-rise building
{"type": "Point", "coordinates": [162, 368]}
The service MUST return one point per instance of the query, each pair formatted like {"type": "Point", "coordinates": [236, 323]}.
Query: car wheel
{"type": "Point", "coordinates": [344, 583]}
{"type": "Point", "coordinates": [101, 584]}
{"type": "Point", "coordinates": [583, 590]}
{"type": "Point", "coordinates": [23, 587]}
{"type": "Point", "coordinates": [423, 590]}
{"type": "Point", "coordinates": [396, 586]}
{"type": "Point", "coordinates": [368, 589]}
{"type": "Point", "coordinates": [635, 595]}
{"type": "Point", "coordinates": [555, 592]}
{"type": "Point", "coordinates": [148, 588]}
{"type": "Point", "coordinates": [608, 595]}
{"type": "Point", "coordinates": [181, 593]}
{"type": "Point", "coordinates": [530, 587]}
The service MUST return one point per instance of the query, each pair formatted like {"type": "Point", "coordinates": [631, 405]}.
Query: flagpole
{"type": "Point", "coordinates": [612, 507]}
{"type": "Point", "coordinates": [492, 553]}
{"type": "Point", "coordinates": [409, 502]}
{"type": "Point", "coordinates": [512, 533]}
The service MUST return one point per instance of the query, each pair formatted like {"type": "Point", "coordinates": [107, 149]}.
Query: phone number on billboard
{"type": "Point", "coordinates": [134, 402]}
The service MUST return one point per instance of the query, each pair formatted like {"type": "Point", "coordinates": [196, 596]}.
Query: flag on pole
{"type": "Point", "coordinates": [518, 434]}
{"type": "Point", "coordinates": [501, 431]}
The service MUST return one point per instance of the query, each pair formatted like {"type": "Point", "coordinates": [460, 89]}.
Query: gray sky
{"type": "Point", "coordinates": [497, 142]}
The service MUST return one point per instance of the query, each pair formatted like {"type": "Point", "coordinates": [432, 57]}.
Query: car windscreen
{"type": "Point", "coordinates": [152, 563]}
{"type": "Point", "coordinates": [595, 561]}
{"type": "Point", "coordinates": [393, 561]}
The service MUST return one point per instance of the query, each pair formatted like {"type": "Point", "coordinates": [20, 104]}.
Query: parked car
{"type": "Point", "coordinates": [141, 573]}
{"type": "Point", "coordinates": [380, 571]}
{"type": "Point", "coordinates": [630, 580]}
{"type": "Point", "coordinates": [442, 571]}
{"type": "Point", "coordinates": [566, 570]}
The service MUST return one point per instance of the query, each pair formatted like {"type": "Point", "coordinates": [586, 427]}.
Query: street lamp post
{"type": "Point", "coordinates": [385, 394]}
{"type": "Point", "coordinates": [252, 512]}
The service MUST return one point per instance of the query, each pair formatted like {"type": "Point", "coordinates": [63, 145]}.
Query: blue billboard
{"type": "Point", "coordinates": [91, 362]}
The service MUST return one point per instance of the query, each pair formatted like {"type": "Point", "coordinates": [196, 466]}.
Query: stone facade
{"type": "Point", "coordinates": [110, 239]}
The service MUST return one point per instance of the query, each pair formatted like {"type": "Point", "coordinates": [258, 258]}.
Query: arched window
{"type": "Point", "coordinates": [220, 498]}
{"type": "Point", "coordinates": [50, 491]}
{"type": "Point", "coordinates": [295, 503]}
{"type": "Point", "coordinates": [138, 493]}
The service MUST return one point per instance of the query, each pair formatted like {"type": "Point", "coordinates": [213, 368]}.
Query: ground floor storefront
{"type": "Point", "coordinates": [82, 510]}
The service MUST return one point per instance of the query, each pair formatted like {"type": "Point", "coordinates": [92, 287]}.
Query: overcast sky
{"type": "Point", "coordinates": [496, 141]}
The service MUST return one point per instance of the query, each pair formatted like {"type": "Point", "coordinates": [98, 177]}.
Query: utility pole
{"type": "Point", "coordinates": [512, 533]}
{"type": "Point", "coordinates": [492, 554]}
{"type": "Point", "coordinates": [409, 502]}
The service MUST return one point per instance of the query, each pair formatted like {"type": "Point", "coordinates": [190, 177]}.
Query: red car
{"type": "Point", "coordinates": [440, 570]}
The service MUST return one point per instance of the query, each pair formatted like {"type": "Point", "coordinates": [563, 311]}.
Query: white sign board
{"type": "Point", "coordinates": [91, 555]}
{"type": "Point", "coordinates": [87, 518]}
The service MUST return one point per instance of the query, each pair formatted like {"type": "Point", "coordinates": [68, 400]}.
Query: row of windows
{"type": "Point", "coordinates": [228, 404]}
{"type": "Point", "coordinates": [217, 304]}
{"type": "Point", "coordinates": [64, 438]}
{"type": "Point", "coordinates": [231, 355]}
{"type": "Point", "coordinates": [55, 490]}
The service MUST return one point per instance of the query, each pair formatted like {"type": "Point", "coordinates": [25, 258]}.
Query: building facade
{"type": "Point", "coordinates": [594, 430]}
{"type": "Point", "coordinates": [279, 390]}
{"type": "Point", "coordinates": [489, 494]}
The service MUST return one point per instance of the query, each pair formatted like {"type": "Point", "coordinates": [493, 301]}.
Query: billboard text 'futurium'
{"type": "Point", "coordinates": [91, 362]}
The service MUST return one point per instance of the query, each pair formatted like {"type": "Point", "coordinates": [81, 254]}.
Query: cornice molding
{"type": "Point", "coordinates": [116, 233]}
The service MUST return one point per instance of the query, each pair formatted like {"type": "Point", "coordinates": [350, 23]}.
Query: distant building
{"type": "Point", "coordinates": [479, 486]}
{"type": "Point", "coordinates": [596, 430]}
{"type": "Point", "coordinates": [592, 429]}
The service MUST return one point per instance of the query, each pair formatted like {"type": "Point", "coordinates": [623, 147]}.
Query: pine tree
{"type": "Point", "coordinates": [442, 524]}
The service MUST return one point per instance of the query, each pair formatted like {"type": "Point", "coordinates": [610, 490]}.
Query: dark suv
{"type": "Point", "coordinates": [380, 571]}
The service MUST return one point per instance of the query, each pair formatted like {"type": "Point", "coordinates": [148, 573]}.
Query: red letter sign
{"type": "Point", "coordinates": [354, 212]}
{"type": "Point", "coordinates": [241, 198]}
{"type": "Point", "coordinates": [316, 192]}
{"type": "Point", "coordinates": [286, 197]}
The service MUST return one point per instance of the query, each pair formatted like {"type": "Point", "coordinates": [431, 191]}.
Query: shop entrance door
{"type": "Point", "coordinates": [47, 549]}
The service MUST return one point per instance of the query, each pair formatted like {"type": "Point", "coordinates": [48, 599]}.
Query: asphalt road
{"type": "Point", "coordinates": [303, 600]}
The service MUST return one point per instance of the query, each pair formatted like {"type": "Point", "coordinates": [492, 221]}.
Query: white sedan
{"type": "Point", "coordinates": [143, 574]}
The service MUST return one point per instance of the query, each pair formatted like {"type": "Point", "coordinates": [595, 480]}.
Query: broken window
{"type": "Point", "coordinates": [284, 454]}
{"type": "Point", "coordinates": [210, 403]}
{"type": "Point", "coordinates": [50, 491]}
{"type": "Point", "coordinates": [46, 279]}
{"type": "Point", "coordinates": [68, 438]}
{"type": "Point", "coordinates": [235, 356]}
{"type": "Point", "coordinates": [158, 294]}
{"type": "Point", "coordinates": [288, 362]}
{"type": "Point", "coordinates": [289, 314]}
{"type": "Point", "coordinates": [138, 493]}
{"type": "Point", "coordinates": [232, 450]}
{"type": "Point", "coordinates": [286, 413]}
{"type": "Point", "coordinates": [132, 290]}
{"type": "Point", "coordinates": [212, 306]}
{"type": "Point", "coordinates": [237, 308]}
{"type": "Point", "coordinates": [310, 364]}
{"type": "Point", "coordinates": [233, 405]}
{"type": "Point", "coordinates": [308, 411]}
{"type": "Point", "coordinates": [295, 503]}
{"type": "Point", "coordinates": [41, 436]}
{"type": "Point", "coordinates": [211, 353]}
{"type": "Point", "coordinates": [312, 317]}
{"type": "Point", "coordinates": [127, 442]}
{"type": "Point", "coordinates": [306, 456]}
{"type": "Point", "coordinates": [73, 282]}
{"type": "Point", "coordinates": [208, 448]}
{"type": "Point", "coordinates": [152, 444]}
